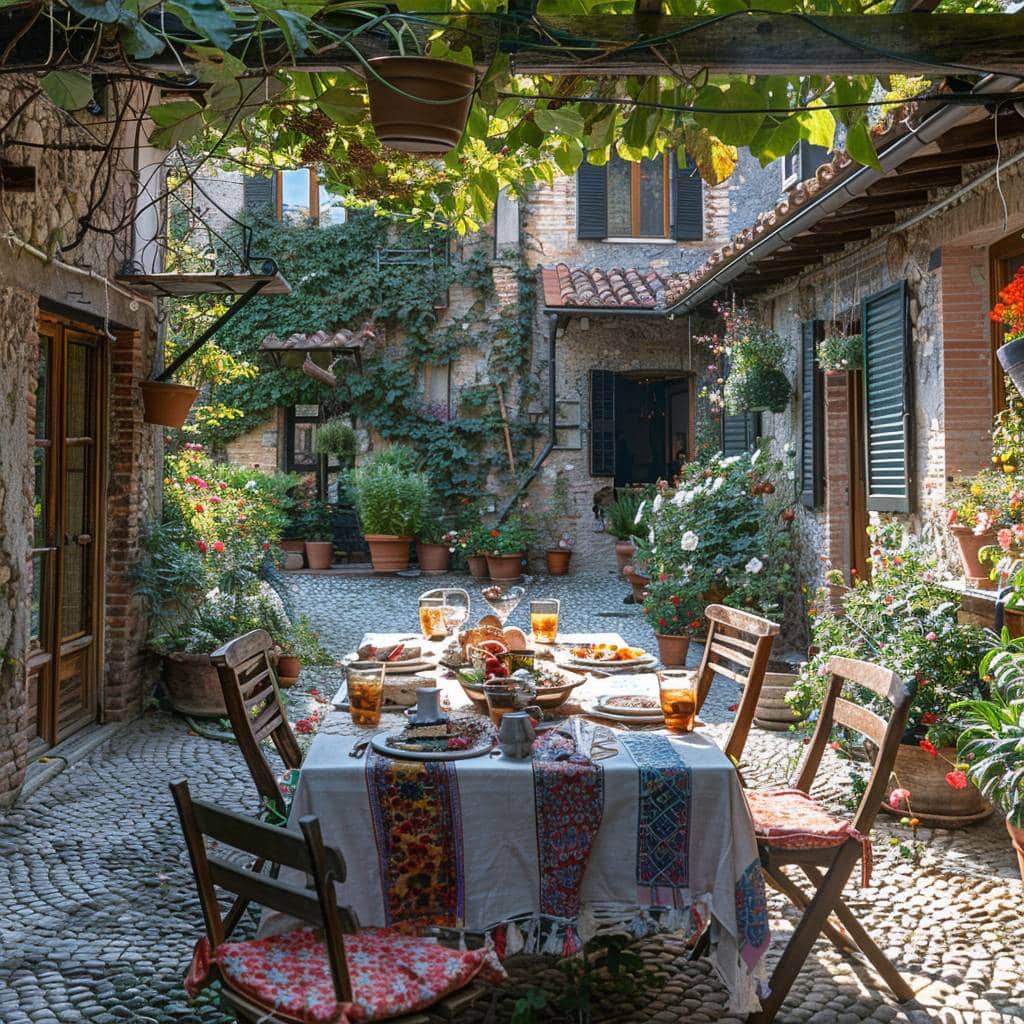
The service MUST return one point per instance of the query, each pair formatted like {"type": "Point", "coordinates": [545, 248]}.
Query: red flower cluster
{"type": "Point", "coordinates": [929, 748]}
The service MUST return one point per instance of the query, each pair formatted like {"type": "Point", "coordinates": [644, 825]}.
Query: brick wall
{"type": "Point", "coordinates": [966, 355]}
{"type": "Point", "coordinates": [258, 447]}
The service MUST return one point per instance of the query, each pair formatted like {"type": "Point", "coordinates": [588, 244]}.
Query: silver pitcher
{"type": "Point", "coordinates": [516, 735]}
{"type": "Point", "coordinates": [428, 706]}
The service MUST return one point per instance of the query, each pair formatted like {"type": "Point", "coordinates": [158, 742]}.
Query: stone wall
{"type": "Point", "coordinates": [257, 448]}
{"type": "Point", "coordinates": [69, 181]}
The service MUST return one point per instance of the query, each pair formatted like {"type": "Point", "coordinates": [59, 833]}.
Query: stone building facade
{"type": "Point", "coordinates": [78, 466]}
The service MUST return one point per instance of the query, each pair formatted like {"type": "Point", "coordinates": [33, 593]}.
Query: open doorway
{"type": "Point", "coordinates": [653, 426]}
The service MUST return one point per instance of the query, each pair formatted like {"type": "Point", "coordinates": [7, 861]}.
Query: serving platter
{"type": "Point", "coordinates": [648, 661]}
{"type": "Point", "coordinates": [483, 745]}
{"type": "Point", "coordinates": [424, 663]}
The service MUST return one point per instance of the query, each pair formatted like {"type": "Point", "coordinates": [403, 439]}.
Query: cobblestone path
{"type": "Point", "coordinates": [98, 914]}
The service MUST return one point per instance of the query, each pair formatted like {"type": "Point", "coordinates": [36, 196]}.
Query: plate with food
{"type": "Point", "coordinates": [448, 739]}
{"type": "Point", "coordinates": [547, 685]}
{"type": "Point", "coordinates": [625, 716]}
{"type": "Point", "coordinates": [399, 658]}
{"type": "Point", "coordinates": [609, 657]}
{"type": "Point", "coordinates": [638, 705]}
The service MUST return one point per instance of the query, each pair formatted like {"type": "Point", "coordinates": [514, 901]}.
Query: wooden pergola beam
{"type": "Point", "coordinates": [935, 161]}
{"type": "Point", "coordinates": [913, 182]}
{"type": "Point", "coordinates": [641, 43]}
{"type": "Point", "coordinates": [1010, 124]}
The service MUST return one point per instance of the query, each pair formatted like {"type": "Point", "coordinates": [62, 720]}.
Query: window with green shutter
{"type": "Point", "coordinates": [602, 423]}
{"type": "Point", "coordinates": [884, 323]}
{"type": "Point", "coordinates": [812, 417]}
{"type": "Point", "coordinates": [740, 432]}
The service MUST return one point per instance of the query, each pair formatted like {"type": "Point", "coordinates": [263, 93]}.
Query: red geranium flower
{"type": "Point", "coordinates": [929, 718]}
{"type": "Point", "coordinates": [202, 547]}
{"type": "Point", "coordinates": [218, 546]}
{"type": "Point", "coordinates": [675, 599]}
{"type": "Point", "coordinates": [732, 707]}
{"type": "Point", "coordinates": [661, 622]}
{"type": "Point", "coordinates": [304, 725]}
{"type": "Point", "coordinates": [199, 508]}
{"type": "Point", "coordinates": [929, 747]}
{"type": "Point", "coordinates": [494, 533]}
{"type": "Point", "coordinates": [957, 779]}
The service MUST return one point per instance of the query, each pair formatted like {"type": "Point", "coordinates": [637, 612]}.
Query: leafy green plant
{"type": "Point", "coordinates": [336, 438]}
{"type": "Point", "coordinates": [841, 352]}
{"type": "Point", "coordinates": [756, 354]}
{"type": "Point", "coordinates": [991, 743]}
{"type": "Point", "coordinates": [673, 606]}
{"type": "Point", "coordinates": [302, 641]}
{"type": "Point", "coordinates": [620, 520]}
{"type": "Point", "coordinates": [511, 537]}
{"type": "Point", "coordinates": [389, 499]}
{"type": "Point", "coordinates": [313, 520]}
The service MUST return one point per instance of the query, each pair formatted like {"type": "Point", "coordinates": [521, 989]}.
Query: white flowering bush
{"type": "Point", "coordinates": [723, 534]}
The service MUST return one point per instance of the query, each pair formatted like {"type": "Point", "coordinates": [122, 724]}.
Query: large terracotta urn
{"type": "Point", "coordinates": [193, 686]}
{"type": "Point", "coordinates": [388, 552]}
{"type": "Point", "coordinates": [969, 544]}
{"type": "Point", "coordinates": [933, 801]}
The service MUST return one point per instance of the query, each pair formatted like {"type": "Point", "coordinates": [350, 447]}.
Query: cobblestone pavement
{"type": "Point", "coordinates": [98, 913]}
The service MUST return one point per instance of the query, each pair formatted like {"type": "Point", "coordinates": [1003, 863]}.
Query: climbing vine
{"type": "Point", "coordinates": [370, 270]}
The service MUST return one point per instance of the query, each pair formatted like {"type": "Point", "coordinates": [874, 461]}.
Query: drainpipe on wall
{"type": "Point", "coordinates": [555, 321]}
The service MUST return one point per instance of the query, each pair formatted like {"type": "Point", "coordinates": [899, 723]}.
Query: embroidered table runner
{"type": "Point", "coordinates": [541, 854]}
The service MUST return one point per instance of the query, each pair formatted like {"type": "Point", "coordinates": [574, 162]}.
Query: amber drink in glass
{"type": "Point", "coordinates": [365, 692]}
{"type": "Point", "coordinates": [678, 691]}
{"type": "Point", "coordinates": [432, 618]}
{"type": "Point", "coordinates": [544, 621]}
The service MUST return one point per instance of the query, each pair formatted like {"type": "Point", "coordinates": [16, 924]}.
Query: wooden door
{"type": "Point", "coordinates": [64, 661]}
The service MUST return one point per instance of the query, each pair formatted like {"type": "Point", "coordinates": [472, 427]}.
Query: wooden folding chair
{"type": "Point", "coordinates": [793, 829]}
{"type": "Point", "coordinates": [254, 707]}
{"type": "Point", "coordinates": [303, 973]}
{"type": "Point", "coordinates": [738, 646]}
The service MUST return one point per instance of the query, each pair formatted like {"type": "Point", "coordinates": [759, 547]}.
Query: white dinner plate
{"type": "Point", "coordinates": [592, 711]}
{"type": "Point", "coordinates": [601, 704]}
{"type": "Point", "coordinates": [379, 743]}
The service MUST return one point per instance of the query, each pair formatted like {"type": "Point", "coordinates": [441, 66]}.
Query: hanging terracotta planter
{"type": "Point", "coordinates": [672, 650]}
{"type": "Point", "coordinates": [166, 404]}
{"type": "Point", "coordinates": [433, 558]}
{"type": "Point", "coordinates": [388, 552]}
{"type": "Point", "coordinates": [505, 567]}
{"type": "Point", "coordinates": [969, 544]}
{"type": "Point", "coordinates": [558, 561]}
{"type": "Point", "coordinates": [409, 124]}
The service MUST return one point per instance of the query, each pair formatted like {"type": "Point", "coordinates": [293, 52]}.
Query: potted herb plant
{"type": "Point", "coordinates": [991, 744]}
{"type": "Point", "coordinates": [389, 498]}
{"type": "Point", "coordinates": [318, 529]}
{"type": "Point", "coordinates": [475, 542]}
{"type": "Point", "coordinates": [838, 353]}
{"type": "Point", "coordinates": [299, 645]}
{"type": "Point", "coordinates": [755, 381]}
{"type": "Point", "coordinates": [621, 524]}
{"type": "Point", "coordinates": [507, 547]}
{"type": "Point", "coordinates": [673, 610]}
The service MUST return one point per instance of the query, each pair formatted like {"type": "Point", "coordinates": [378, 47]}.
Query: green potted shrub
{"type": "Point", "coordinates": [558, 553]}
{"type": "Point", "coordinates": [755, 381]}
{"type": "Point", "coordinates": [389, 497]}
{"type": "Point", "coordinates": [336, 439]}
{"type": "Point", "coordinates": [299, 645]}
{"type": "Point", "coordinates": [318, 529]}
{"type": "Point", "coordinates": [472, 542]}
{"type": "Point", "coordinates": [620, 522]}
{"type": "Point", "coordinates": [991, 744]}
{"type": "Point", "coordinates": [673, 609]}
{"type": "Point", "coordinates": [506, 548]}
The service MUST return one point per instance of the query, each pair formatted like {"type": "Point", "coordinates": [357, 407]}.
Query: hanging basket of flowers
{"type": "Point", "coordinates": [840, 352]}
{"type": "Point", "coordinates": [1009, 311]}
{"type": "Point", "coordinates": [756, 381]}
{"type": "Point", "coordinates": [757, 389]}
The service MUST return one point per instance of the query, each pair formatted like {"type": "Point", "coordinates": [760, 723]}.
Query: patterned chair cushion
{"type": "Point", "coordinates": [792, 819]}
{"type": "Point", "coordinates": [391, 974]}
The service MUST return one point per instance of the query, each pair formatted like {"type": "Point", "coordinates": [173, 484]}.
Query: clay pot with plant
{"type": "Point", "coordinates": [506, 548]}
{"type": "Point", "coordinates": [756, 381]}
{"type": "Point", "coordinates": [434, 542]}
{"type": "Point", "coordinates": [980, 508]}
{"type": "Point", "coordinates": [390, 498]}
{"type": "Point", "coordinates": [558, 553]}
{"type": "Point", "coordinates": [299, 645]}
{"type": "Point", "coordinates": [620, 522]}
{"type": "Point", "coordinates": [336, 440]}
{"type": "Point", "coordinates": [672, 608]}
{"type": "Point", "coordinates": [316, 523]}
{"type": "Point", "coordinates": [1009, 311]}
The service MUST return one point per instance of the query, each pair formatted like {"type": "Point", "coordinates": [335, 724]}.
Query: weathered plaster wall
{"type": "Point", "coordinates": [69, 181]}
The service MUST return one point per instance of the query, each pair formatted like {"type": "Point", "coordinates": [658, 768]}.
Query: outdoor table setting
{"type": "Point", "coordinates": [537, 828]}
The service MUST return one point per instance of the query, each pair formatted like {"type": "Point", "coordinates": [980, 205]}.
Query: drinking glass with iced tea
{"type": "Point", "coordinates": [432, 615]}
{"type": "Point", "coordinates": [678, 691]}
{"type": "Point", "coordinates": [544, 621]}
{"type": "Point", "coordinates": [365, 691]}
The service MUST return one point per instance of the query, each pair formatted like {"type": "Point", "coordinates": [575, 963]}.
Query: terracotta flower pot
{"type": "Point", "coordinates": [193, 686]}
{"type": "Point", "coordinates": [433, 558]}
{"type": "Point", "coordinates": [409, 124]}
{"type": "Point", "coordinates": [1017, 838]}
{"type": "Point", "coordinates": [772, 712]}
{"type": "Point", "coordinates": [477, 566]}
{"type": "Point", "coordinates": [166, 404]}
{"type": "Point", "coordinates": [624, 551]}
{"type": "Point", "coordinates": [932, 799]}
{"type": "Point", "coordinates": [1013, 619]}
{"type": "Point", "coordinates": [388, 552]}
{"type": "Point", "coordinates": [638, 581]}
{"type": "Point", "coordinates": [558, 561]}
{"type": "Point", "coordinates": [672, 650]}
{"type": "Point", "coordinates": [320, 554]}
{"type": "Point", "coordinates": [969, 544]}
{"type": "Point", "coordinates": [505, 567]}
{"type": "Point", "coordinates": [288, 669]}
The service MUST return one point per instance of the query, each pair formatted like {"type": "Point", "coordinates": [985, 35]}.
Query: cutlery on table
{"type": "Point", "coordinates": [359, 749]}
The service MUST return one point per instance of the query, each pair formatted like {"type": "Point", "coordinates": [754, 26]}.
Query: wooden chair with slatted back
{"type": "Point", "coordinates": [793, 829]}
{"type": "Point", "coordinates": [306, 853]}
{"type": "Point", "coordinates": [738, 646]}
{"type": "Point", "coordinates": [248, 682]}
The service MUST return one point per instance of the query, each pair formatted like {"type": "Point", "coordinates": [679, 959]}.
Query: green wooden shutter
{"type": "Point", "coordinates": [602, 423]}
{"type": "Point", "coordinates": [884, 322]}
{"type": "Point", "coordinates": [812, 417]}
{"type": "Point", "coordinates": [740, 432]}
{"type": "Point", "coordinates": [688, 202]}
{"type": "Point", "coordinates": [258, 194]}
{"type": "Point", "coordinates": [591, 201]}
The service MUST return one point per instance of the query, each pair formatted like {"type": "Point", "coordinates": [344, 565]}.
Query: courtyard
{"type": "Point", "coordinates": [100, 913]}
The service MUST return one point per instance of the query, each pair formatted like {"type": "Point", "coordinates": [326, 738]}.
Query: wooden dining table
{"type": "Point", "coordinates": [541, 855]}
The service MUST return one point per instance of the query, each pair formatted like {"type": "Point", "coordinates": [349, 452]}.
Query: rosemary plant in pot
{"type": "Point", "coordinates": [389, 497]}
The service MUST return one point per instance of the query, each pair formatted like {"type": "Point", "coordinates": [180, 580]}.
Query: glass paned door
{"type": "Point", "coordinates": [65, 657]}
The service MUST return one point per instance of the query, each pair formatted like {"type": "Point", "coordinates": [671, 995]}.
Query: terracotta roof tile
{"type": "Point", "coordinates": [576, 288]}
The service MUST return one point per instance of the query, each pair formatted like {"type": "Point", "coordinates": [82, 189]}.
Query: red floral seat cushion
{"type": "Point", "coordinates": [792, 819]}
{"type": "Point", "coordinates": [391, 974]}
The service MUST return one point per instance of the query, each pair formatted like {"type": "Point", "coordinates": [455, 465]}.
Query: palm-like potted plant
{"type": "Point", "coordinates": [390, 497]}
{"type": "Point", "coordinates": [673, 609]}
{"type": "Point", "coordinates": [621, 524]}
{"type": "Point", "coordinates": [991, 745]}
